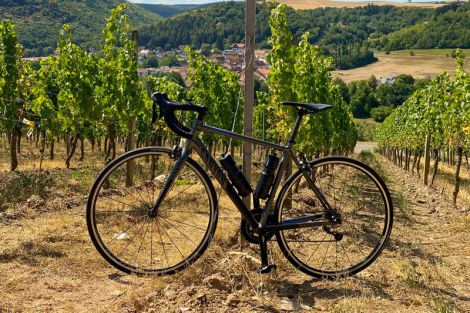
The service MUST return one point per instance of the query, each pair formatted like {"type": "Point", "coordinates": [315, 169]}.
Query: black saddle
{"type": "Point", "coordinates": [309, 107]}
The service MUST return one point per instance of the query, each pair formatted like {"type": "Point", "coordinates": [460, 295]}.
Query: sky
{"type": "Point", "coordinates": [177, 1]}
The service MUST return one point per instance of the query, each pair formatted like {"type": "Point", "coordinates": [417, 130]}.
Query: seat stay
{"type": "Point", "coordinates": [306, 174]}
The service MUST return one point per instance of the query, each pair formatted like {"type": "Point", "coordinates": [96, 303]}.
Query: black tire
{"type": "Point", "coordinates": [118, 221]}
{"type": "Point", "coordinates": [366, 222]}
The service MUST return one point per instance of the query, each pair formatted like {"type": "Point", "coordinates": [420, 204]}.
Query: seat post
{"type": "Point", "coordinates": [295, 130]}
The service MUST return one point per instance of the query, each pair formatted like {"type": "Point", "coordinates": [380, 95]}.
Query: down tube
{"type": "Point", "coordinates": [223, 181]}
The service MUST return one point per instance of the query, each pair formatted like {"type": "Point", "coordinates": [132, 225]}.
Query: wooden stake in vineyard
{"type": "Point", "coordinates": [250, 22]}
{"type": "Point", "coordinates": [427, 158]}
{"type": "Point", "coordinates": [131, 124]}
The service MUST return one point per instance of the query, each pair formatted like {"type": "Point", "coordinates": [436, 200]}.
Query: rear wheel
{"type": "Point", "coordinates": [118, 220]}
{"type": "Point", "coordinates": [361, 200]}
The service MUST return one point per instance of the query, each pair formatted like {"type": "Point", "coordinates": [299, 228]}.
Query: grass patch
{"type": "Point", "coordinates": [437, 52]}
{"type": "Point", "coordinates": [81, 179]}
{"type": "Point", "coordinates": [441, 305]}
{"type": "Point", "coordinates": [20, 186]}
{"type": "Point", "coordinates": [371, 159]}
{"type": "Point", "coordinates": [365, 129]}
{"type": "Point", "coordinates": [412, 277]}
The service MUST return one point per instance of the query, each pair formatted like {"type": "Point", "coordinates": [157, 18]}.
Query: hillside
{"type": "Point", "coordinates": [223, 23]}
{"type": "Point", "coordinates": [385, 27]}
{"type": "Point", "coordinates": [38, 22]}
{"type": "Point", "coordinates": [448, 27]}
{"type": "Point", "coordinates": [344, 33]}
{"type": "Point", "coordinates": [168, 10]}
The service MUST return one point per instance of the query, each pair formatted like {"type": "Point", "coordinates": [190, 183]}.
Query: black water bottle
{"type": "Point", "coordinates": [266, 179]}
{"type": "Point", "coordinates": [235, 175]}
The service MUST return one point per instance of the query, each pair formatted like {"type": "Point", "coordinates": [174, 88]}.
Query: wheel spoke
{"type": "Point", "coordinates": [127, 234]}
{"type": "Point", "coordinates": [354, 194]}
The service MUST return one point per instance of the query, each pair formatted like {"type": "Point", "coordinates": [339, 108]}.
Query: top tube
{"type": "Point", "coordinates": [227, 133]}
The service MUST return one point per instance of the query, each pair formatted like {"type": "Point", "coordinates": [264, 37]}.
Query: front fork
{"type": "Point", "coordinates": [181, 153]}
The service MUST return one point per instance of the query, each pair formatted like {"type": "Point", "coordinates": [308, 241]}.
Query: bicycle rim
{"type": "Point", "coordinates": [118, 221]}
{"type": "Point", "coordinates": [364, 205]}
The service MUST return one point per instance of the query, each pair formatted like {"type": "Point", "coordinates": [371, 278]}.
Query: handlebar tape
{"type": "Point", "coordinates": [167, 110]}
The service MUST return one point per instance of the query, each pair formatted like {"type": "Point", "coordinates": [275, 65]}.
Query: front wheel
{"type": "Point", "coordinates": [364, 206]}
{"type": "Point", "coordinates": [118, 213]}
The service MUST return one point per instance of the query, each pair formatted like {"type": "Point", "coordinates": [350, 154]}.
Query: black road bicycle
{"type": "Point", "coordinates": [331, 218]}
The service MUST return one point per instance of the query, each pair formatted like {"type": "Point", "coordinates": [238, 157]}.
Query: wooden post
{"type": "Point", "coordinates": [131, 125]}
{"type": "Point", "coordinates": [250, 21]}
{"type": "Point", "coordinates": [427, 159]}
{"type": "Point", "coordinates": [457, 175]}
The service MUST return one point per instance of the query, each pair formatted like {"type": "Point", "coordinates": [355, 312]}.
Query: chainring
{"type": "Point", "coordinates": [248, 232]}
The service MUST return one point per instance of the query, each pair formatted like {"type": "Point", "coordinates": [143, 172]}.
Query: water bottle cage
{"type": "Point", "coordinates": [235, 175]}
{"type": "Point", "coordinates": [266, 179]}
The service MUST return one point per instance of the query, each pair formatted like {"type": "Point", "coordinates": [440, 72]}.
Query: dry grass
{"type": "Point", "coordinates": [419, 66]}
{"type": "Point", "coordinates": [49, 264]}
{"type": "Point", "coordinates": [445, 180]}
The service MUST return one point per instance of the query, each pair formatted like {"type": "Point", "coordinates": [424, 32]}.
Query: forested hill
{"type": "Point", "coordinates": [345, 33]}
{"type": "Point", "coordinates": [448, 27]}
{"type": "Point", "coordinates": [223, 23]}
{"type": "Point", "coordinates": [38, 22]}
{"type": "Point", "coordinates": [384, 27]}
{"type": "Point", "coordinates": [168, 10]}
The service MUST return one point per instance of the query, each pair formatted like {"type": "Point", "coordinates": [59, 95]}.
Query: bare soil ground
{"type": "Point", "coordinates": [313, 4]}
{"type": "Point", "coordinates": [365, 146]}
{"type": "Point", "coordinates": [48, 263]}
{"type": "Point", "coordinates": [419, 66]}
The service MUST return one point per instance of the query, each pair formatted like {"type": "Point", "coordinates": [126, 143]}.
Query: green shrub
{"type": "Point", "coordinates": [365, 129]}
{"type": "Point", "coordinates": [380, 113]}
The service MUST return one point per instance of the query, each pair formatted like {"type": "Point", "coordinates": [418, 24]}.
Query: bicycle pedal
{"type": "Point", "coordinates": [267, 269]}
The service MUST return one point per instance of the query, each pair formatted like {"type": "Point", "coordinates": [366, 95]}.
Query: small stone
{"type": "Point", "coordinates": [217, 281]}
{"type": "Point", "coordinates": [160, 179]}
{"type": "Point", "coordinates": [293, 305]}
{"type": "Point", "coordinates": [122, 236]}
{"type": "Point", "coordinates": [232, 300]}
{"type": "Point", "coordinates": [168, 292]}
{"type": "Point", "coordinates": [251, 260]}
{"type": "Point", "coordinates": [202, 299]}
{"type": "Point", "coordinates": [36, 203]}
{"type": "Point", "coordinates": [116, 293]}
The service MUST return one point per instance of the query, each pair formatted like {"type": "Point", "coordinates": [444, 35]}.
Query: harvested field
{"type": "Point", "coordinates": [419, 66]}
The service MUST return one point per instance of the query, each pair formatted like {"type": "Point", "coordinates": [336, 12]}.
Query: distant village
{"type": "Point", "coordinates": [175, 61]}
{"type": "Point", "coordinates": [231, 59]}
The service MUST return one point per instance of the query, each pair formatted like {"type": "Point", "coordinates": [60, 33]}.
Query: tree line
{"type": "Point", "coordinates": [38, 22]}
{"type": "Point", "coordinates": [372, 98]}
{"type": "Point", "coordinates": [447, 27]}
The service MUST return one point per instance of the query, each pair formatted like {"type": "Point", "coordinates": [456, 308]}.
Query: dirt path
{"type": "Point", "coordinates": [368, 146]}
{"type": "Point", "coordinates": [48, 264]}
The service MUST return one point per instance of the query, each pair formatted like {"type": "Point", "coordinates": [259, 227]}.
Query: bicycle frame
{"type": "Point", "coordinates": [194, 143]}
